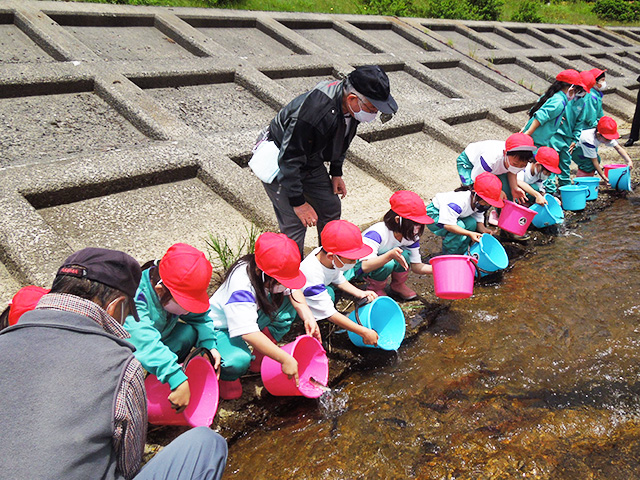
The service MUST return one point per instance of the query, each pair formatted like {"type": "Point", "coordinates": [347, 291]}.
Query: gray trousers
{"type": "Point", "coordinates": [199, 454]}
{"type": "Point", "coordinates": [318, 191]}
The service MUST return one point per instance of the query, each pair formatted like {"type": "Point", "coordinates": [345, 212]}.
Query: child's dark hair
{"type": "Point", "coordinates": [464, 188]}
{"type": "Point", "coordinates": [154, 278]}
{"type": "Point", "coordinates": [404, 226]}
{"type": "Point", "coordinates": [4, 318]}
{"type": "Point", "coordinates": [269, 304]}
{"type": "Point", "coordinates": [522, 156]}
{"type": "Point", "coordinates": [551, 91]}
{"type": "Point", "coordinates": [600, 76]}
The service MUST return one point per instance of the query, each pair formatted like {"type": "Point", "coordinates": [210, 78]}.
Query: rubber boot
{"type": "Point", "coordinates": [256, 363]}
{"type": "Point", "coordinates": [230, 389]}
{"type": "Point", "coordinates": [377, 286]}
{"type": "Point", "coordinates": [399, 286]}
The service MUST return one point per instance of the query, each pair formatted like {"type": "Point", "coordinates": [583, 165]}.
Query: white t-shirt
{"type": "Point", "coordinates": [381, 239]}
{"type": "Point", "coordinates": [454, 205]}
{"type": "Point", "coordinates": [486, 156]}
{"type": "Point", "coordinates": [527, 176]}
{"type": "Point", "coordinates": [234, 305]}
{"type": "Point", "coordinates": [315, 290]}
{"type": "Point", "coordinates": [589, 143]}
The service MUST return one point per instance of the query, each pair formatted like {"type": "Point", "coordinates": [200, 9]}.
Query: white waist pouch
{"type": "Point", "coordinates": [264, 162]}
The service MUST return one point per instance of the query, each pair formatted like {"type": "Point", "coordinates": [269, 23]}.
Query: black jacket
{"type": "Point", "coordinates": [309, 131]}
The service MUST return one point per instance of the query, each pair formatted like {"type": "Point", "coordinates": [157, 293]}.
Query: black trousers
{"type": "Point", "coordinates": [635, 125]}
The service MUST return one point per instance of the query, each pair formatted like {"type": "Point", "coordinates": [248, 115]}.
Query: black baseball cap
{"type": "Point", "coordinates": [111, 267]}
{"type": "Point", "coordinates": [373, 83]}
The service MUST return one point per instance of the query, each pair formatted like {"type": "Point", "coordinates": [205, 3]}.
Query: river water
{"type": "Point", "coordinates": [537, 377]}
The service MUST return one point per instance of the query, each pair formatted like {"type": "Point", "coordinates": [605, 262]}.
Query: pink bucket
{"type": "Point", "coordinates": [313, 370]}
{"type": "Point", "coordinates": [453, 276]}
{"type": "Point", "coordinates": [515, 218]}
{"type": "Point", "coordinates": [203, 404]}
{"type": "Point", "coordinates": [611, 166]}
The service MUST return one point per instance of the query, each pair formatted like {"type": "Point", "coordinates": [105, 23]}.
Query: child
{"type": "Point", "coordinates": [584, 109]}
{"type": "Point", "coordinates": [532, 178]}
{"type": "Point", "coordinates": [252, 307]}
{"type": "Point", "coordinates": [23, 301]}
{"type": "Point", "coordinates": [341, 247]}
{"type": "Point", "coordinates": [586, 153]}
{"type": "Point", "coordinates": [504, 159]}
{"type": "Point", "coordinates": [172, 303]}
{"type": "Point", "coordinates": [459, 215]}
{"type": "Point", "coordinates": [593, 100]}
{"type": "Point", "coordinates": [396, 244]}
{"type": "Point", "coordinates": [551, 123]}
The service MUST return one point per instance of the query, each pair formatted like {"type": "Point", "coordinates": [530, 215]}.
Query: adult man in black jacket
{"type": "Point", "coordinates": [314, 128]}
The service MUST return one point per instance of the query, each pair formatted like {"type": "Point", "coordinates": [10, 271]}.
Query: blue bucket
{"type": "Point", "coordinates": [549, 214]}
{"type": "Point", "coordinates": [490, 254]}
{"type": "Point", "coordinates": [574, 197]}
{"type": "Point", "coordinates": [620, 178]}
{"type": "Point", "coordinates": [384, 316]}
{"type": "Point", "coordinates": [591, 183]}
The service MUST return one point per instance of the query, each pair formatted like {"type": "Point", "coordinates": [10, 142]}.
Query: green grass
{"type": "Point", "coordinates": [566, 12]}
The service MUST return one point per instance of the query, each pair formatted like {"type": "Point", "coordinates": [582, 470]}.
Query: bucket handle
{"type": "Point", "coordinates": [620, 178]}
{"type": "Point", "coordinates": [475, 261]}
{"type": "Point", "coordinates": [194, 353]}
{"type": "Point", "coordinates": [588, 193]}
{"type": "Point", "coordinates": [360, 303]}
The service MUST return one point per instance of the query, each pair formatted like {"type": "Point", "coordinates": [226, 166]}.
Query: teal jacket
{"type": "Point", "coordinates": [550, 117]}
{"type": "Point", "coordinates": [155, 325]}
{"type": "Point", "coordinates": [591, 111]}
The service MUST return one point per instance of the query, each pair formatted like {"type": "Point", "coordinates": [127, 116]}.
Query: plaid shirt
{"type": "Point", "coordinates": [130, 415]}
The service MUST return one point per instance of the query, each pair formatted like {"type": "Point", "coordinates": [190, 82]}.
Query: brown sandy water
{"type": "Point", "coordinates": [537, 377]}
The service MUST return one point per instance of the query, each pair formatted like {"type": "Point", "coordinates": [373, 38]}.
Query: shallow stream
{"type": "Point", "coordinates": [537, 377]}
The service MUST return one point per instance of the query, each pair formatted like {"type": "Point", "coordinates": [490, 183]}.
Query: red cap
{"type": "Point", "coordinates": [409, 205]}
{"type": "Point", "coordinates": [519, 142]}
{"type": "Point", "coordinates": [344, 238]}
{"type": "Point", "coordinates": [186, 272]}
{"type": "Point", "coordinates": [25, 300]}
{"type": "Point", "coordinates": [489, 187]}
{"type": "Point", "coordinates": [608, 128]}
{"type": "Point", "coordinates": [549, 159]}
{"type": "Point", "coordinates": [279, 257]}
{"type": "Point", "coordinates": [588, 79]}
{"type": "Point", "coordinates": [571, 76]}
{"type": "Point", "coordinates": [596, 72]}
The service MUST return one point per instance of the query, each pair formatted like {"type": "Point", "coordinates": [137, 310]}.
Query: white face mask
{"type": "Point", "coordinates": [345, 266]}
{"type": "Point", "coordinates": [513, 169]}
{"type": "Point", "coordinates": [362, 116]}
{"type": "Point", "coordinates": [581, 94]}
{"type": "Point", "coordinates": [278, 288]}
{"type": "Point", "coordinates": [602, 86]}
{"type": "Point", "coordinates": [173, 307]}
{"type": "Point", "coordinates": [571, 93]}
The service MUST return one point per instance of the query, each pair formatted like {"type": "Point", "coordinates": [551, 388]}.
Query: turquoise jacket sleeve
{"type": "Point", "coordinates": [146, 336]}
{"type": "Point", "coordinates": [550, 118]}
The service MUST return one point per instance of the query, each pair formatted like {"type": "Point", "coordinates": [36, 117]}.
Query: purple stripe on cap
{"type": "Point", "coordinates": [241, 296]}
{"type": "Point", "coordinates": [314, 290]}
{"type": "Point", "coordinates": [373, 235]}
{"type": "Point", "coordinates": [455, 207]}
{"type": "Point", "coordinates": [484, 164]}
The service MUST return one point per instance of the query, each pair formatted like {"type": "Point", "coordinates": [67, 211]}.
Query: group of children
{"type": "Point", "coordinates": [264, 292]}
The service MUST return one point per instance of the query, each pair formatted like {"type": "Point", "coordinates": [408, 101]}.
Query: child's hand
{"type": "Point", "coordinates": [216, 361]}
{"type": "Point", "coordinates": [290, 368]}
{"type": "Point", "coordinates": [179, 398]}
{"type": "Point", "coordinates": [311, 328]}
{"type": "Point", "coordinates": [540, 200]}
{"type": "Point", "coordinates": [475, 236]}
{"type": "Point", "coordinates": [572, 146]}
{"type": "Point", "coordinates": [370, 295]}
{"type": "Point", "coordinates": [370, 337]}
{"type": "Point", "coordinates": [396, 254]}
{"type": "Point", "coordinates": [518, 195]}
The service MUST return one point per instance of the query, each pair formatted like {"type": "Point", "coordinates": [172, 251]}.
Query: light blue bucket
{"type": "Point", "coordinates": [490, 254]}
{"type": "Point", "coordinates": [620, 178]}
{"type": "Point", "coordinates": [384, 316]}
{"type": "Point", "coordinates": [574, 197]}
{"type": "Point", "coordinates": [549, 214]}
{"type": "Point", "coordinates": [591, 183]}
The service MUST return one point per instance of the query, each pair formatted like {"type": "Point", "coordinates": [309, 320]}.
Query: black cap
{"type": "Point", "coordinates": [373, 83]}
{"type": "Point", "coordinates": [110, 267]}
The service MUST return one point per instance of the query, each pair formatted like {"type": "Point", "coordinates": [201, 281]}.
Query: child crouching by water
{"type": "Point", "coordinates": [396, 245]}
{"type": "Point", "coordinates": [252, 307]}
{"type": "Point", "coordinates": [459, 215]}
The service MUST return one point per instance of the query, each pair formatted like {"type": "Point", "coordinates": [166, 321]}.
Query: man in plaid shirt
{"type": "Point", "coordinates": [74, 403]}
